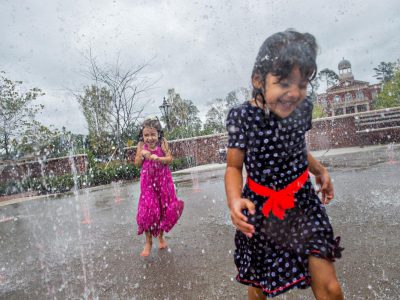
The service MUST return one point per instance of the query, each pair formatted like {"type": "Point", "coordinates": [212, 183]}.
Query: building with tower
{"type": "Point", "coordinates": [348, 96]}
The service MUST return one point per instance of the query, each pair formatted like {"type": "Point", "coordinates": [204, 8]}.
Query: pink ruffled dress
{"type": "Point", "coordinates": [159, 209]}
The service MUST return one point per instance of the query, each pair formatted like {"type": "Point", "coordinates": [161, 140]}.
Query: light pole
{"type": "Point", "coordinates": [165, 110]}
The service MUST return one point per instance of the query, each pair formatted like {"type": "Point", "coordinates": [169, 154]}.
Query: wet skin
{"type": "Point", "coordinates": [283, 95]}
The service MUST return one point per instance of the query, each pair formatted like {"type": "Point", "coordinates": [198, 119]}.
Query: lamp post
{"type": "Point", "coordinates": [165, 110]}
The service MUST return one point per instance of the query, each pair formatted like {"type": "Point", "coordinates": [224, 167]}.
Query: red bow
{"type": "Point", "coordinates": [281, 200]}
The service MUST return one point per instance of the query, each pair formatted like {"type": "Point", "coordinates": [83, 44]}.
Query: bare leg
{"type": "Point", "coordinates": [147, 247]}
{"type": "Point", "coordinates": [161, 241]}
{"type": "Point", "coordinates": [255, 294]}
{"type": "Point", "coordinates": [324, 283]}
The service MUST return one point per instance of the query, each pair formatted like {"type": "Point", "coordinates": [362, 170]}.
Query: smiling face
{"type": "Point", "coordinates": [150, 137]}
{"type": "Point", "coordinates": [284, 95]}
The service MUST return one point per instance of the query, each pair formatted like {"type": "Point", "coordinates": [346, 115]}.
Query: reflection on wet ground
{"type": "Point", "coordinates": [84, 245]}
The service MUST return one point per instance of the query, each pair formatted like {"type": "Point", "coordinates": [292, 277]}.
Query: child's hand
{"type": "Point", "coordinates": [326, 187]}
{"type": "Point", "coordinates": [239, 220]}
{"type": "Point", "coordinates": [154, 157]}
{"type": "Point", "coordinates": [145, 153]}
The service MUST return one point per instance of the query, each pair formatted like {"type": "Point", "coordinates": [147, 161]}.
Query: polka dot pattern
{"type": "Point", "coordinates": [275, 259]}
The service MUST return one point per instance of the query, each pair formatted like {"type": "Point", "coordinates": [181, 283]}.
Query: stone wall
{"type": "Point", "coordinates": [326, 133]}
{"type": "Point", "coordinates": [200, 150]}
{"type": "Point", "coordinates": [343, 131]}
{"type": "Point", "coordinates": [333, 132]}
{"type": "Point", "coordinates": [16, 170]}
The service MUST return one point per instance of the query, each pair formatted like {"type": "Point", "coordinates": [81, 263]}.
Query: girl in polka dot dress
{"type": "Point", "coordinates": [284, 238]}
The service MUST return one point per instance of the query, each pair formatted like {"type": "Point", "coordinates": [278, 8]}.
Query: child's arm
{"type": "Point", "coordinates": [167, 159]}
{"type": "Point", "coordinates": [139, 155]}
{"type": "Point", "coordinates": [322, 178]}
{"type": "Point", "coordinates": [233, 188]}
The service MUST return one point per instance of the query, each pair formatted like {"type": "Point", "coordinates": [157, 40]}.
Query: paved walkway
{"type": "Point", "coordinates": [85, 246]}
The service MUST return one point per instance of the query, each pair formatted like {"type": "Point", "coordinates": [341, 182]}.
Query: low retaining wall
{"type": "Point", "coordinates": [326, 133]}
{"type": "Point", "coordinates": [17, 170]}
{"type": "Point", "coordinates": [343, 131]}
{"type": "Point", "coordinates": [200, 150]}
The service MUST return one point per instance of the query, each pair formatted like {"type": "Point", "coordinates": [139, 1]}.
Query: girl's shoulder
{"type": "Point", "coordinates": [240, 111]}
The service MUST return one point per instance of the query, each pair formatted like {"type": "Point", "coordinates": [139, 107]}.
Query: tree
{"type": "Point", "coordinates": [37, 139]}
{"type": "Point", "coordinates": [119, 91]}
{"type": "Point", "coordinates": [312, 89]}
{"type": "Point", "coordinates": [384, 71]}
{"type": "Point", "coordinates": [236, 97]}
{"type": "Point", "coordinates": [390, 94]}
{"type": "Point", "coordinates": [17, 111]}
{"type": "Point", "coordinates": [219, 108]}
{"type": "Point", "coordinates": [96, 106]}
{"type": "Point", "coordinates": [329, 76]}
{"type": "Point", "coordinates": [318, 111]}
{"type": "Point", "coordinates": [183, 118]}
{"type": "Point", "coordinates": [215, 117]}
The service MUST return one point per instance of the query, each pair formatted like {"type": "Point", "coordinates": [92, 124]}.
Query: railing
{"type": "Point", "coordinates": [378, 120]}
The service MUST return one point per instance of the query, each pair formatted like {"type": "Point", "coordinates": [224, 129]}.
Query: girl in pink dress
{"type": "Point", "coordinates": [159, 209]}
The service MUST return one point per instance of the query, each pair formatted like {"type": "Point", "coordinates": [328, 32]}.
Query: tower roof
{"type": "Point", "coordinates": [344, 64]}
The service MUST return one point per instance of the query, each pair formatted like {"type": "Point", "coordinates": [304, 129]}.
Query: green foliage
{"type": "Point", "coordinates": [39, 140]}
{"type": "Point", "coordinates": [329, 76]}
{"type": "Point", "coordinates": [96, 175]}
{"type": "Point", "coordinates": [183, 118]}
{"type": "Point", "coordinates": [219, 109]}
{"type": "Point", "coordinates": [17, 111]}
{"type": "Point", "coordinates": [46, 185]}
{"type": "Point", "coordinates": [96, 106]}
{"type": "Point", "coordinates": [318, 111]}
{"type": "Point", "coordinates": [103, 145]}
{"type": "Point", "coordinates": [216, 115]}
{"type": "Point", "coordinates": [385, 71]}
{"type": "Point", "coordinates": [390, 94]}
{"type": "Point", "coordinates": [131, 134]}
{"type": "Point", "coordinates": [181, 163]}
{"type": "Point", "coordinates": [207, 131]}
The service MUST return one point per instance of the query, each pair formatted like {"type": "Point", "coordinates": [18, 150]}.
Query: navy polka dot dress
{"type": "Point", "coordinates": [275, 259]}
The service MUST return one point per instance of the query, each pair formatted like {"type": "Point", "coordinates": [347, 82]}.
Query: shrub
{"type": "Point", "coordinates": [181, 163]}
{"type": "Point", "coordinates": [96, 175]}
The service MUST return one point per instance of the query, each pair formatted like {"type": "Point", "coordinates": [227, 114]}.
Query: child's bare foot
{"type": "Point", "coordinates": [162, 244]}
{"type": "Point", "coordinates": [146, 251]}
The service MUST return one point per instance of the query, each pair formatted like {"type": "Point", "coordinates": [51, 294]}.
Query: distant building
{"type": "Point", "coordinates": [349, 95]}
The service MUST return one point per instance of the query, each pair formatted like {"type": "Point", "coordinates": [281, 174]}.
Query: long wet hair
{"type": "Point", "coordinates": [151, 122]}
{"type": "Point", "coordinates": [280, 53]}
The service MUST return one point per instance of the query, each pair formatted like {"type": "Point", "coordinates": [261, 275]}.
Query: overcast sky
{"type": "Point", "coordinates": [203, 49]}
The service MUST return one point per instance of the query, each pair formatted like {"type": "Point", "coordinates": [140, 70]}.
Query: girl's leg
{"type": "Point", "coordinates": [255, 294]}
{"type": "Point", "coordinates": [324, 283]}
{"type": "Point", "coordinates": [147, 247]}
{"type": "Point", "coordinates": [161, 241]}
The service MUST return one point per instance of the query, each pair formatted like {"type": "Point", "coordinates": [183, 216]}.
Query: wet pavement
{"type": "Point", "coordinates": [84, 246]}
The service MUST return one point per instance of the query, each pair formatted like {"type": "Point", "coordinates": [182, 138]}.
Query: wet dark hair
{"type": "Point", "coordinates": [281, 52]}
{"type": "Point", "coordinates": [152, 123]}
